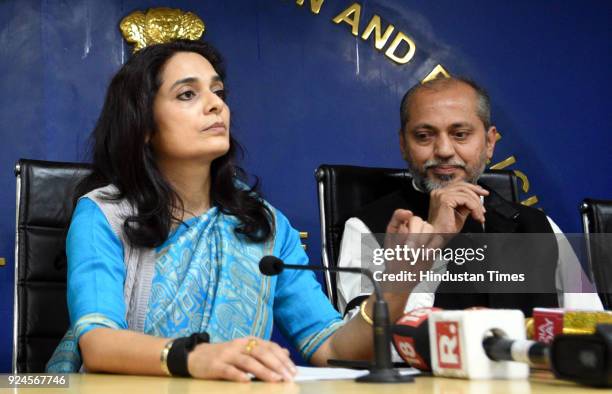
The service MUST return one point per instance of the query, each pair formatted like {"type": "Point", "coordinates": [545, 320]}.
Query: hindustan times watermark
{"type": "Point", "coordinates": [432, 276]}
{"type": "Point", "coordinates": [484, 263]}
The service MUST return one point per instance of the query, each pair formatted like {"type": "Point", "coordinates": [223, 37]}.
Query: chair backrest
{"type": "Point", "coordinates": [344, 190]}
{"type": "Point", "coordinates": [44, 207]}
{"type": "Point", "coordinates": [597, 218]}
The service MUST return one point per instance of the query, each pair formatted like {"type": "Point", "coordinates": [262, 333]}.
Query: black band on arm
{"type": "Point", "coordinates": [181, 347]}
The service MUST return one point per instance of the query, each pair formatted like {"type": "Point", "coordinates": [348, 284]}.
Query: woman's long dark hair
{"type": "Point", "coordinates": [122, 156]}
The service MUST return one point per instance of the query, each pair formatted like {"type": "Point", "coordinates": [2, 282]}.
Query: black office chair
{"type": "Point", "coordinates": [44, 207]}
{"type": "Point", "coordinates": [343, 190]}
{"type": "Point", "coordinates": [597, 219]}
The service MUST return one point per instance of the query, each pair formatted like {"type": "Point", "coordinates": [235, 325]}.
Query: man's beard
{"type": "Point", "coordinates": [419, 174]}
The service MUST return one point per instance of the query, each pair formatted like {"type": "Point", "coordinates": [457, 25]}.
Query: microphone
{"type": "Point", "coordinates": [584, 358]}
{"type": "Point", "coordinates": [549, 322]}
{"type": "Point", "coordinates": [272, 265]}
{"type": "Point", "coordinates": [499, 348]}
{"type": "Point", "coordinates": [381, 371]}
{"type": "Point", "coordinates": [411, 338]}
{"type": "Point", "coordinates": [450, 343]}
{"type": "Point", "coordinates": [581, 358]}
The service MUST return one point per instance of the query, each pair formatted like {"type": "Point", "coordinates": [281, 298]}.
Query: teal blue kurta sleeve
{"type": "Point", "coordinates": [96, 271]}
{"type": "Point", "coordinates": [301, 310]}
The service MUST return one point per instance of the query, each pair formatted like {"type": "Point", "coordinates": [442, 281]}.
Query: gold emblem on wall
{"type": "Point", "coordinates": [160, 25]}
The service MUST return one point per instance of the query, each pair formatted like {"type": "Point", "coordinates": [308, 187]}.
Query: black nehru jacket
{"type": "Point", "coordinates": [502, 216]}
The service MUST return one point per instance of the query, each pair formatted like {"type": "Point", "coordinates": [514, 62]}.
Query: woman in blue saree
{"type": "Point", "coordinates": [165, 240]}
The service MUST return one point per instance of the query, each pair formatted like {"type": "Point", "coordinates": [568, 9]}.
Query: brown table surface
{"type": "Point", "coordinates": [100, 383]}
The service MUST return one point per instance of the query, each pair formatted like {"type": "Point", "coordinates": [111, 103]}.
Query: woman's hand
{"type": "Point", "coordinates": [235, 359]}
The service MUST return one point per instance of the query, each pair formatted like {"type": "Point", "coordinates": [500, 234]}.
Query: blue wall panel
{"type": "Point", "coordinates": [304, 91]}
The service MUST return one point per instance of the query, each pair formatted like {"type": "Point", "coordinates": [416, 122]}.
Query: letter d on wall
{"type": "Point", "coordinates": [399, 38]}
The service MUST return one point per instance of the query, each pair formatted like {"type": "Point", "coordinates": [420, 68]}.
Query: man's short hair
{"type": "Point", "coordinates": [483, 105]}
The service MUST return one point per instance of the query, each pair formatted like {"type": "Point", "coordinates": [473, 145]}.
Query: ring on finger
{"type": "Point", "coordinates": [250, 345]}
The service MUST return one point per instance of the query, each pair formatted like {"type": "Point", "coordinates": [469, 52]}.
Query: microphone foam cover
{"type": "Point", "coordinates": [411, 338]}
{"type": "Point", "coordinates": [271, 265]}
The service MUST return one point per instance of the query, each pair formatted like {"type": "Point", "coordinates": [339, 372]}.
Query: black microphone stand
{"type": "Point", "coordinates": [382, 370]}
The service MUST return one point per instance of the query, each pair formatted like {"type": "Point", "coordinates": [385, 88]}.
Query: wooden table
{"type": "Point", "coordinates": [99, 383]}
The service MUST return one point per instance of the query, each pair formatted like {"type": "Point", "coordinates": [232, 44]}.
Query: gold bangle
{"type": "Point", "coordinates": [164, 357]}
{"type": "Point", "coordinates": [363, 313]}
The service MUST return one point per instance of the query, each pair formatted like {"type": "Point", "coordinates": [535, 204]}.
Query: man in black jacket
{"type": "Point", "coordinates": [446, 138]}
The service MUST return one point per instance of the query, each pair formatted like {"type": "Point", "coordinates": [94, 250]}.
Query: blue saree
{"type": "Point", "coordinates": [205, 277]}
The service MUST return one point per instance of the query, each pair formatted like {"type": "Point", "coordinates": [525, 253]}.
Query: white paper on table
{"type": "Point", "coordinates": [306, 374]}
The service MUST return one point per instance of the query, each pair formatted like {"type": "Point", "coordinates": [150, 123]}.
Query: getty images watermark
{"type": "Point", "coordinates": [483, 263]}
{"type": "Point", "coordinates": [422, 254]}
{"type": "Point", "coordinates": [458, 256]}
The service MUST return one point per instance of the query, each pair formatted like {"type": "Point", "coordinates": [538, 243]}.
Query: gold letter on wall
{"type": "Point", "coordinates": [380, 40]}
{"type": "Point", "coordinates": [439, 72]}
{"type": "Point", "coordinates": [399, 38]}
{"type": "Point", "coordinates": [315, 5]}
{"type": "Point", "coordinates": [345, 16]}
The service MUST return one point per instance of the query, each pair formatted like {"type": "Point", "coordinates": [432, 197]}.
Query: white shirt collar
{"type": "Point", "coordinates": [417, 188]}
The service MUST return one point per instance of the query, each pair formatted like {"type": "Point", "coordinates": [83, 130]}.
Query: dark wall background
{"type": "Point", "coordinates": [304, 91]}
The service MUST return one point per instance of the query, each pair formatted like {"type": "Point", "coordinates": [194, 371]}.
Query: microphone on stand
{"type": "Point", "coordinates": [584, 358]}
{"type": "Point", "coordinates": [412, 340]}
{"type": "Point", "coordinates": [382, 370]}
{"type": "Point", "coordinates": [478, 340]}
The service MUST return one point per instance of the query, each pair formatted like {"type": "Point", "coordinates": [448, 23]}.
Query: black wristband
{"type": "Point", "coordinates": [181, 347]}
